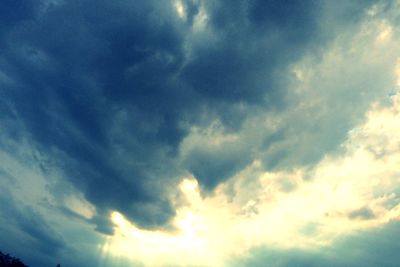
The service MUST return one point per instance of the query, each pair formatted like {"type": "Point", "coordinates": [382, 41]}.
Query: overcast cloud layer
{"type": "Point", "coordinates": [200, 132]}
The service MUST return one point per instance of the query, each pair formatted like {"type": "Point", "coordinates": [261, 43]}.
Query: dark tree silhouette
{"type": "Point", "coordinates": [7, 261]}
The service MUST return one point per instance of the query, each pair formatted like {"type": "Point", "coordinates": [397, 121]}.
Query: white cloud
{"type": "Point", "coordinates": [324, 202]}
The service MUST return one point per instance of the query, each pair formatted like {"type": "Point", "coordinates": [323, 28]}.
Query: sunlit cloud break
{"type": "Point", "coordinates": [304, 208]}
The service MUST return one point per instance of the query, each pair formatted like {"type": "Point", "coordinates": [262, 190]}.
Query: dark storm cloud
{"type": "Point", "coordinates": [251, 51]}
{"type": "Point", "coordinates": [244, 66]}
{"type": "Point", "coordinates": [211, 167]}
{"type": "Point", "coordinates": [12, 12]}
{"type": "Point", "coordinates": [92, 83]}
{"type": "Point", "coordinates": [109, 89]}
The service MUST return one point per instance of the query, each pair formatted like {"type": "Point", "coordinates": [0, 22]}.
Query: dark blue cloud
{"type": "Point", "coordinates": [13, 12]}
{"type": "Point", "coordinates": [252, 50]}
{"type": "Point", "coordinates": [77, 66]}
{"type": "Point", "coordinates": [108, 91]}
{"type": "Point", "coordinates": [212, 167]}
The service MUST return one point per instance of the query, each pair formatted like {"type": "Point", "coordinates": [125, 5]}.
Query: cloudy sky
{"type": "Point", "coordinates": [200, 133]}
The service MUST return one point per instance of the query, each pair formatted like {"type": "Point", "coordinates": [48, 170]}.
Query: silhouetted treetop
{"type": "Point", "coordinates": [7, 261]}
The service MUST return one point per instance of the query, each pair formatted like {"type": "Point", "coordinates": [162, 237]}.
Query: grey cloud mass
{"type": "Point", "coordinates": [109, 90]}
{"type": "Point", "coordinates": [373, 248]}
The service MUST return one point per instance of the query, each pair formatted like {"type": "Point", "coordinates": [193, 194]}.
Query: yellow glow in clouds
{"type": "Point", "coordinates": [354, 191]}
{"type": "Point", "coordinates": [154, 248]}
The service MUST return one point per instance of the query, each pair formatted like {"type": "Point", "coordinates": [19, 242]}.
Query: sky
{"type": "Point", "coordinates": [200, 133]}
